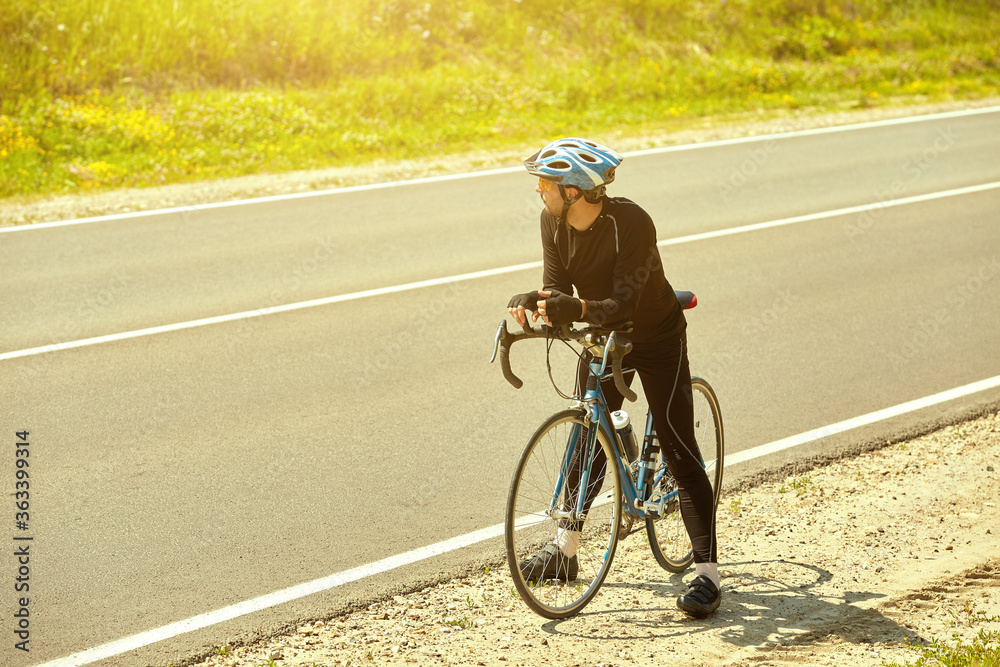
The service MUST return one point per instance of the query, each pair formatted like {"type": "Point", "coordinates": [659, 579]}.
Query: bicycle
{"type": "Point", "coordinates": [559, 460]}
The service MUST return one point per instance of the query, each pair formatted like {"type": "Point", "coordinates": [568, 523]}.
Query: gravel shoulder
{"type": "Point", "coordinates": [851, 560]}
{"type": "Point", "coordinates": [26, 211]}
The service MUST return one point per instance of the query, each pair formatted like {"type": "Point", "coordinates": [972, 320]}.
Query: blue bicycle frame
{"type": "Point", "coordinates": [635, 506]}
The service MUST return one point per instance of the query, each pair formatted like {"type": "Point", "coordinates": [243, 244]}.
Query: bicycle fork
{"type": "Point", "coordinates": [578, 512]}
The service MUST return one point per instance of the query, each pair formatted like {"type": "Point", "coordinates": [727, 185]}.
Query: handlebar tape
{"type": "Point", "coordinates": [619, 379]}
{"type": "Point", "coordinates": [505, 342]}
{"type": "Point", "coordinates": [507, 339]}
{"type": "Point", "coordinates": [505, 365]}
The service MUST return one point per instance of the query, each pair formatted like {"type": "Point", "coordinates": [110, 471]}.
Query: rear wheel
{"type": "Point", "coordinates": [539, 503]}
{"type": "Point", "coordinates": [668, 538]}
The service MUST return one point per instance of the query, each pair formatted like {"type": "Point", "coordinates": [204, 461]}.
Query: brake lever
{"type": "Point", "coordinates": [496, 341]}
{"type": "Point", "coordinates": [608, 347]}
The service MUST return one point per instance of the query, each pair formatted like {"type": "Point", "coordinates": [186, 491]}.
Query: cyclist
{"type": "Point", "coordinates": [605, 247]}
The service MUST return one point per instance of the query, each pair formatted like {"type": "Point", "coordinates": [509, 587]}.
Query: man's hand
{"type": "Point", "coordinates": [558, 308]}
{"type": "Point", "coordinates": [521, 302]}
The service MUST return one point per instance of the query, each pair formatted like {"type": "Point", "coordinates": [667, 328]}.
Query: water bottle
{"type": "Point", "coordinates": [622, 424]}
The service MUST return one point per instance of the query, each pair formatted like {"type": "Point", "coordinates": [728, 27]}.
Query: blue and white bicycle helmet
{"type": "Point", "coordinates": [580, 163]}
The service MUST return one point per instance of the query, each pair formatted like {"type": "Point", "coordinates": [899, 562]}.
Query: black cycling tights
{"type": "Point", "coordinates": [666, 382]}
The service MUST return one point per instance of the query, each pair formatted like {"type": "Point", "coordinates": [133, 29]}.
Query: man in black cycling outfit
{"type": "Point", "coordinates": [606, 248]}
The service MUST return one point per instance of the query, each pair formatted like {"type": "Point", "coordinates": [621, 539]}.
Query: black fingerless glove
{"type": "Point", "coordinates": [529, 301]}
{"type": "Point", "coordinates": [562, 308]}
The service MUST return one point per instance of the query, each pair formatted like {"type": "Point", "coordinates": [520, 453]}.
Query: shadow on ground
{"type": "Point", "coordinates": [765, 604]}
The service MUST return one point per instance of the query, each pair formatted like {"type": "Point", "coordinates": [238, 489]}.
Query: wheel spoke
{"type": "Point", "coordinates": [668, 537]}
{"type": "Point", "coordinates": [564, 585]}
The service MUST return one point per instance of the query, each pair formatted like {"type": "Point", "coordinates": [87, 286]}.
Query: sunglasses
{"type": "Point", "coordinates": [545, 184]}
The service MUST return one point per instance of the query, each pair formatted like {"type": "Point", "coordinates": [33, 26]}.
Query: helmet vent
{"type": "Point", "coordinates": [547, 154]}
{"type": "Point", "coordinates": [559, 164]}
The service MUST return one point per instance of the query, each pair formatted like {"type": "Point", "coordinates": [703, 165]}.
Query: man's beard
{"type": "Point", "coordinates": [558, 207]}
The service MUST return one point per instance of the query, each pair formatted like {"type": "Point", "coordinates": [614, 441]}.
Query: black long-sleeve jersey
{"type": "Point", "coordinates": [616, 268]}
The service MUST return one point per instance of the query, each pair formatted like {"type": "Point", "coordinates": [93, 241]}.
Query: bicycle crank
{"type": "Point", "coordinates": [625, 527]}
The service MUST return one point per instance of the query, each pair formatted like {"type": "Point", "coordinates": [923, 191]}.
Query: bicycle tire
{"type": "Point", "coordinates": [668, 538]}
{"type": "Point", "coordinates": [530, 525]}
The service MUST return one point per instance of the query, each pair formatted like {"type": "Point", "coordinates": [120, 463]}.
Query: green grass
{"type": "Point", "coordinates": [800, 484]}
{"type": "Point", "coordinates": [102, 93]}
{"type": "Point", "coordinates": [981, 650]}
{"type": "Point", "coordinates": [464, 623]}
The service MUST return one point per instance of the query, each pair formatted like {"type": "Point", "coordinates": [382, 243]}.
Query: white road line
{"type": "Point", "coordinates": [272, 599]}
{"type": "Point", "coordinates": [863, 420]}
{"type": "Point", "coordinates": [340, 298]}
{"type": "Point", "coordinates": [819, 130]}
{"type": "Point", "coordinates": [395, 289]}
{"type": "Point", "coordinates": [333, 581]}
{"type": "Point", "coordinates": [916, 199]}
{"type": "Point", "coordinates": [505, 170]}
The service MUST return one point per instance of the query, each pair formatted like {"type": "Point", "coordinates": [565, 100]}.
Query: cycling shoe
{"type": "Point", "coordinates": [549, 563]}
{"type": "Point", "coordinates": [702, 598]}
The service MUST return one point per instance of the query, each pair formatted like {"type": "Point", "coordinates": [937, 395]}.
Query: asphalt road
{"type": "Point", "coordinates": [178, 473]}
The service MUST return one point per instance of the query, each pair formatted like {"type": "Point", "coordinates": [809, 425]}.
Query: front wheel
{"type": "Point", "coordinates": [542, 503]}
{"type": "Point", "coordinates": [668, 538]}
